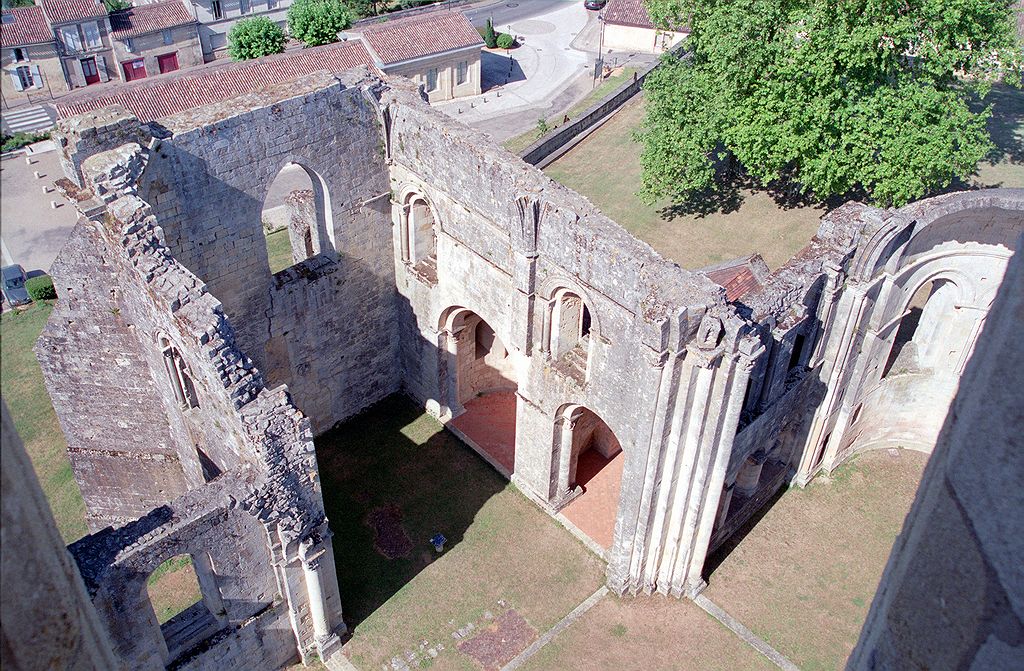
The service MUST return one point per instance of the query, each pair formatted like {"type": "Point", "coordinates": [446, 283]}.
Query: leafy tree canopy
{"type": "Point", "coordinates": [255, 37]}
{"type": "Point", "coordinates": [834, 95]}
{"type": "Point", "coordinates": [317, 22]}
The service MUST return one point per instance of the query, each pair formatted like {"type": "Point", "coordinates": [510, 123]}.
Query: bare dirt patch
{"type": "Point", "coordinates": [389, 537]}
{"type": "Point", "coordinates": [804, 577]}
{"type": "Point", "coordinates": [499, 643]}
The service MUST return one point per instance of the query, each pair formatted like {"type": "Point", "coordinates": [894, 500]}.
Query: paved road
{"type": "Point", "coordinates": [32, 230]}
{"type": "Point", "coordinates": [510, 11]}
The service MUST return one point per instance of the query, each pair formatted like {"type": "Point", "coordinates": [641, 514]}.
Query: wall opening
{"type": "Point", "coordinates": [187, 611]}
{"type": "Point", "coordinates": [594, 473]}
{"type": "Point", "coordinates": [919, 334]}
{"type": "Point", "coordinates": [485, 388]}
{"type": "Point", "coordinates": [296, 217]}
{"type": "Point", "coordinates": [570, 326]}
{"type": "Point", "coordinates": [178, 375]}
{"type": "Point", "coordinates": [418, 230]}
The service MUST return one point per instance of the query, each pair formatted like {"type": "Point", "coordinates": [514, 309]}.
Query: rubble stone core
{"type": "Point", "coordinates": [190, 381]}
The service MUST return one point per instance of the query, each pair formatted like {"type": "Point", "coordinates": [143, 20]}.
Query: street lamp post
{"type": "Point", "coordinates": [599, 63]}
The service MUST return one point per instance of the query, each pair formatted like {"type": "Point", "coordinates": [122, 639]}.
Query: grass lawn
{"type": "Point", "coordinates": [279, 250]}
{"type": "Point", "coordinates": [754, 222]}
{"type": "Point", "coordinates": [803, 578]}
{"type": "Point", "coordinates": [520, 142]}
{"type": "Point", "coordinates": [647, 633]}
{"type": "Point", "coordinates": [21, 385]}
{"type": "Point", "coordinates": [392, 478]}
{"type": "Point", "coordinates": [173, 587]}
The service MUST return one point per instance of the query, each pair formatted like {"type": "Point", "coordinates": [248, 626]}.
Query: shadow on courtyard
{"type": "Point", "coordinates": [499, 70]}
{"type": "Point", "coordinates": [392, 478]}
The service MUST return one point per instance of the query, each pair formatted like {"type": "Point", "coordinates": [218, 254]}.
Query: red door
{"type": "Point", "coordinates": [167, 62]}
{"type": "Point", "coordinates": [92, 75]}
{"type": "Point", "coordinates": [134, 70]}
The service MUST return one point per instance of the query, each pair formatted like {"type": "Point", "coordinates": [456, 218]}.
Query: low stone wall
{"type": "Point", "coordinates": [551, 146]}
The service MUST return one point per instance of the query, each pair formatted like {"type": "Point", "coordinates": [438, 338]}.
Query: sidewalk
{"type": "Point", "coordinates": [540, 71]}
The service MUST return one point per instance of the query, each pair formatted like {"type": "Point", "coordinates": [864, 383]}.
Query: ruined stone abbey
{"type": "Point", "coordinates": [190, 381]}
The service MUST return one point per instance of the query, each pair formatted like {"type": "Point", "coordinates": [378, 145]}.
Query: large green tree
{"type": "Point", "coordinates": [255, 37]}
{"type": "Point", "coordinates": [317, 22]}
{"type": "Point", "coordinates": [832, 95]}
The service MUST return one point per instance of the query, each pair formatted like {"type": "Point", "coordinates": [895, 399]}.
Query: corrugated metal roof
{"type": "Point", "coordinates": [149, 19]}
{"type": "Point", "coordinates": [421, 35]}
{"type": "Point", "coordinates": [164, 95]}
{"type": "Point", "coordinates": [24, 25]}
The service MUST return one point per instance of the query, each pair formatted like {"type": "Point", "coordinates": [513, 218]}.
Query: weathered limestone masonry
{"type": "Point", "coordinates": [249, 513]}
{"type": "Point", "coordinates": [952, 595]}
{"type": "Point", "coordinates": [444, 267]}
{"type": "Point", "coordinates": [46, 620]}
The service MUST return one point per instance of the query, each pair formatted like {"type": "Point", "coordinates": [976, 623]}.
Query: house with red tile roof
{"type": "Point", "coordinates": [439, 50]}
{"type": "Point", "coordinates": [82, 29]}
{"type": "Point", "coordinates": [628, 27]}
{"type": "Point", "coordinates": [28, 57]}
{"type": "Point", "coordinates": [155, 39]}
{"type": "Point", "coordinates": [161, 96]}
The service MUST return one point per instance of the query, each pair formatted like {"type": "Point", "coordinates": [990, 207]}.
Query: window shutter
{"type": "Point", "coordinates": [72, 41]}
{"type": "Point", "coordinates": [37, 77]}
{"type": "Point", "coordinates": [16, 80]}
{"type": "Point", "coordinates": [101, 65]}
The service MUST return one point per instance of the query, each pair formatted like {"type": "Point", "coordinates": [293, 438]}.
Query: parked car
{"type": "Point", "coordinates": [14, 285]}
{"type": "Point", "coordinates": [595, 4]}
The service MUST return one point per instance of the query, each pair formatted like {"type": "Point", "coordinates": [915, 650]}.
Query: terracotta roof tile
{"type": "Point", "coordinates": [67, 11]}
{"type": "Point", "coordinates": [627, 13]}
{"type": "Point", "coordinates": [420, 35]}
{"type": "Point", "coordinates": [164, 95]}
{"type": "Point", "coordinates": [24, 25]}
{"type": "Point", "coordinates": [738, 277]}
{"type": "Point", "coordinates": [149, 19]}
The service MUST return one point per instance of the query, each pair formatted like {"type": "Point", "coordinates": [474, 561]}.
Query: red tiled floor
{"type": "Point", "coordinates": [490, 422]}
{"type": "Point", "coordinates": [593, 512]}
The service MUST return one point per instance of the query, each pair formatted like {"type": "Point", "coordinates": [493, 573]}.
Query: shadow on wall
{"type": "Point", "coordinates": [498, 70]}
{"type": "Point", "coordinates": [392, 478]}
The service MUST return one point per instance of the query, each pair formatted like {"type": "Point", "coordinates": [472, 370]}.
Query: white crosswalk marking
{"type": "Point", "coordinates": [26, 119]}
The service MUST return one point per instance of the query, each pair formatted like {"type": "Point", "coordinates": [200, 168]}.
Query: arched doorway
{"type": "Point", "coordinates": [590, 461]}
{"type": "Point", "coordinates": [482, 384]}
{"type": "Point", "coordinates": [296, 217]}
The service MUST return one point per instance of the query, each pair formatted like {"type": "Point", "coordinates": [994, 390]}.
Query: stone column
{"type": "Point", "coordinates": [564, 491]}
{"type": "Point", "coordinates": [750, 473]}
{"type": "Point", "coordinates": [313, 566]}
{"type": "Point", "coordinates": [723, 506]}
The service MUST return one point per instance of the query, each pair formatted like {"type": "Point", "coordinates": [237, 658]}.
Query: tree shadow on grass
{"type": "Point", "coordinates": [732, 186]}
{"type": "Point", "coordinates": [392, 478]}
{"type": "Point", "coordinates": [1005, 124]}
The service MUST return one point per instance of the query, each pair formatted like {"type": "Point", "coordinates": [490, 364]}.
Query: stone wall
{"type": "Point", "coordinates": [47, 620]}
{"type": "Point", "coordinates": [952, 595]}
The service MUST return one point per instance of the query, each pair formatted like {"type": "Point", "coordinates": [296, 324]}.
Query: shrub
{"type": "Point", "coordinates": [318, 21]}
{"type": "Point", "coordinates": [490, 38]}
{"type": "Point", "coordinates": [255, 37]}
{"type": "Point", "coordinates": [505, 41]}
{"type": "Point", "coordinates": [19, 140]}
{"type": "Point", "coordinates": [116, 5]}
{"type": "Point", "coordinates": [40, 288]}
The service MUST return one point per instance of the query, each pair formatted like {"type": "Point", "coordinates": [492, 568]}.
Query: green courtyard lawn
{"type": "Point", "coordinates": [605, 167]}
{"type": "Point", "coordinates": [804, 576]}
{"type": "Point", "coordinates": [279, 250]}
{"type": "Point", "coordinates": [654, 632]}
{"type": "Point", "coordinates": [21, 385]}
{"type": "Point", "coordinates": [392, 478]}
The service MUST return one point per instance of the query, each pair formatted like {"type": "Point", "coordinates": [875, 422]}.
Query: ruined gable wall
{"type": "Point", "coordinates": [96, 372]}
{"type": "Point", "coordinates": [326, 326]}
